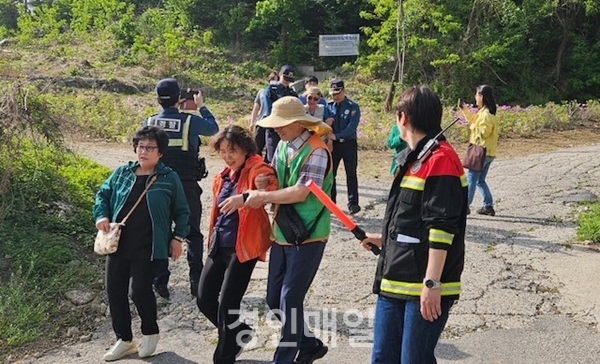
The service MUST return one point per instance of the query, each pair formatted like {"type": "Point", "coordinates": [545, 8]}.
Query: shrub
{"type": "Point", "coordinates": [45, 213]}
{"type": "Point", "coordinates": [589, 224]}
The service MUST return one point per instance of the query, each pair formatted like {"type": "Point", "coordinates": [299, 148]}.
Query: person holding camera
{"type": "Point", "coordinates": [184, 130]}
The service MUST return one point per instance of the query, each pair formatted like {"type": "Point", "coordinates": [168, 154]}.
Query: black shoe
{"type": "Point", "coordinates": [353, 209]}
{"type": "Point", "coordinates": [486, 210]}
{"type": "Point", "coordinates": [318, 352]}
{"type": "Point", "coordinates": [162, 290]}
{"type": "Point", "coordinates": [245, 337]}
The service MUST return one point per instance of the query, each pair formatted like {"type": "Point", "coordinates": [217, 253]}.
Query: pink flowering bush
{"type": "Point", "coordinates": [513, 121]}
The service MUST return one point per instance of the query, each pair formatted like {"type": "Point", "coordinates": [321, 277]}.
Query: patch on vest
{"type": "Point", "coordinates": [172, 125]}
{"type": "Point", "coordinates": [415, 167]}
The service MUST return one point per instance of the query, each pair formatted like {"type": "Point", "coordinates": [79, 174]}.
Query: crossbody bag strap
{"type": "Point", "coordinates": [139, 199]}
{"type": "Point", "coordinates": [285, 173]}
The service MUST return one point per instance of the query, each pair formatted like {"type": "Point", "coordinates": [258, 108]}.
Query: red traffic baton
{"type": "Point", "coordinates": [347, 221]}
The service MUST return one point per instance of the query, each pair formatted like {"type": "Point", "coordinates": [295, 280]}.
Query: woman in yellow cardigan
{"type": "Point", "coordinates": [483, 127]}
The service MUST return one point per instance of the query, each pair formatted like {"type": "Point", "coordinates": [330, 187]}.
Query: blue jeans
{"type": "Point", "coordinates": [477, 179]}
{"type": "Point", "coordinates": [402, 335]}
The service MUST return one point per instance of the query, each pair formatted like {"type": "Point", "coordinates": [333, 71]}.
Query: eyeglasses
{"type": "Point", "coordinates": [146, 148]}
{"type": "Point", "coordinates": [310, 98]}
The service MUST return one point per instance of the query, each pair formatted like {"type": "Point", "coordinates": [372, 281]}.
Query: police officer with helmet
{"type": "Point", "coordinates": [182, 155]}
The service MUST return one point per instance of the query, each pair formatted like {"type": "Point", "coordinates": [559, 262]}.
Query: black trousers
{"type": "Point", "coordinates": [348, 152]}
{"type": "Point", "coordinates": [272, 139]}
{"type": "Point", "coordinates": [195, 239]}
{"type": "Point", "coordinates": [259, 139]}
{"type": "Point", "coordinates": [118, 274]}
{"type": "Point", "coordinates": [223, 283]}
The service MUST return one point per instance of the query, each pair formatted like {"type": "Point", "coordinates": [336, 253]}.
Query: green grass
{"type": "Point", "coordinates": [46, 236]}
{"type": "Point", "coordinates": [589, 224]}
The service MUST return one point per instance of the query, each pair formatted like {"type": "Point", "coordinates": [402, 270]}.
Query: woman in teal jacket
{"type": "Point", "coordinates": [395, 142]}
{"type": "Point", "coordinates": [145, 240]}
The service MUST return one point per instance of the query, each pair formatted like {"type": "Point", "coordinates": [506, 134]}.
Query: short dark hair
{"type": "Point", "coordinates": [422, 107]}
{"type": "Point", "coordinates": [236, 136]}
{"type": "Point", "coordinates": [489, 101]}
{"type": "Point", "coordinates": [155, 133]}
{"type": "Point", "coordinates": [311, 78]}
{"type": "Point", "coordinates": [167, 103]}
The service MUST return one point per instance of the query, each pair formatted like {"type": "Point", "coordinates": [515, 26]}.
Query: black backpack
{"type": "Point", "coordinates": [274, 92]}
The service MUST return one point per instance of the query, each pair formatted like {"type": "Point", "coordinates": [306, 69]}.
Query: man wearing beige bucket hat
{"type": "Point", "coordinates": [300, 155]}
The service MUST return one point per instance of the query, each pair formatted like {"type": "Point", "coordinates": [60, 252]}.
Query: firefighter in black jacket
{"type": "Point", "coordinates": [422, 257]}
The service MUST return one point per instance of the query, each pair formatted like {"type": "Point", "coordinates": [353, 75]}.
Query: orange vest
{"type": "Point", "coordinates": [254, 229]}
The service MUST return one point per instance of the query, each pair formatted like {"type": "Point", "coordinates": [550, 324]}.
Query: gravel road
{"type": "Point", "coordinates": [531, 293]}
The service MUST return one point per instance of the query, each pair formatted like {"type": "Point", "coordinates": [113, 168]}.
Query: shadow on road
{"type": "Point", "coordinates": [168, 357]}
{"type": "Point", "coordinates": [450, 352]}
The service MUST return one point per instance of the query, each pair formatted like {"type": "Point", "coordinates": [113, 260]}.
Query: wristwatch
{"type": "Point", "coordinates": [431, 283]}
{"type": "Point", "coordinates": [179, 239]}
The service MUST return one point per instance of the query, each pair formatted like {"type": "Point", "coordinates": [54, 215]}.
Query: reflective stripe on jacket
{"type": "Point", "coordinates": [426, 210]}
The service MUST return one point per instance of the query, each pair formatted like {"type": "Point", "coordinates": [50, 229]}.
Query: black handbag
{"type": "Point", "coordinates": [474, 158]}
{"type": "Point", "coordinates": [291, 225]}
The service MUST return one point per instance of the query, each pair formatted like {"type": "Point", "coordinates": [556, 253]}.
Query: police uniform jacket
{"type": "Point", "coordinates": [272, 93]}
{"type": "Point", "coordinates": [345, 116]}
{"type": "Point", "coordinates": [184, 132]}
{"type": "Point", "coordinates": [426, 210]}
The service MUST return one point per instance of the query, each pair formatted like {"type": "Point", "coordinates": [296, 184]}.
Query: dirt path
{"type": "Point", "coordinates": [524, 277]}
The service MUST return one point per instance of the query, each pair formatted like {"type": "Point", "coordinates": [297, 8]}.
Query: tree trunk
{"type": "Point", "coordinates": [471, 26]}
{"type": "Point", "coordinates": [566, 16]}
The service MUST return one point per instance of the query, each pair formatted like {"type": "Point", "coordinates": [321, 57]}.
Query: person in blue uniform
{"type": "Point", "coordinates": [344, 115]}
{"type": "Point", "coordinates": [311, 82]}
{"type": "Point", "coordinates": [272, 93]}
{"type": "Point", "coordinates": [184, 130]}
{"type": "Point", "coordinates": [258, 112]}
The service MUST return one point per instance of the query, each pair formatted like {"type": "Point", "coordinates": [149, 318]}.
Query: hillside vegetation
{"type": "Point", "coordinates": [87, 69]}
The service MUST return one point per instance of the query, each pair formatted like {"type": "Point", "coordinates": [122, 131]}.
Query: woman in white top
{"type": "Point", "coordinates": [313, 108]}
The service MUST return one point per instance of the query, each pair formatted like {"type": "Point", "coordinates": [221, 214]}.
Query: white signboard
{"type": "Point", "coordinates": [338, 45]}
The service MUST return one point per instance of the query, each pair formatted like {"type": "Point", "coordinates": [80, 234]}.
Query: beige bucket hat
{"type": "Point", "coordinates": [288, 110]}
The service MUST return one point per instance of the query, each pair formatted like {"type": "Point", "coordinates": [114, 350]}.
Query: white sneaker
{"type": "Point", "coordinates": [119, 350]}
{"type": "Point", "coordinates": [148, 345]}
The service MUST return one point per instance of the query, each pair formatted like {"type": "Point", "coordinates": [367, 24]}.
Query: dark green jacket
{"type": "Point", "coordinates": [166, 203]}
